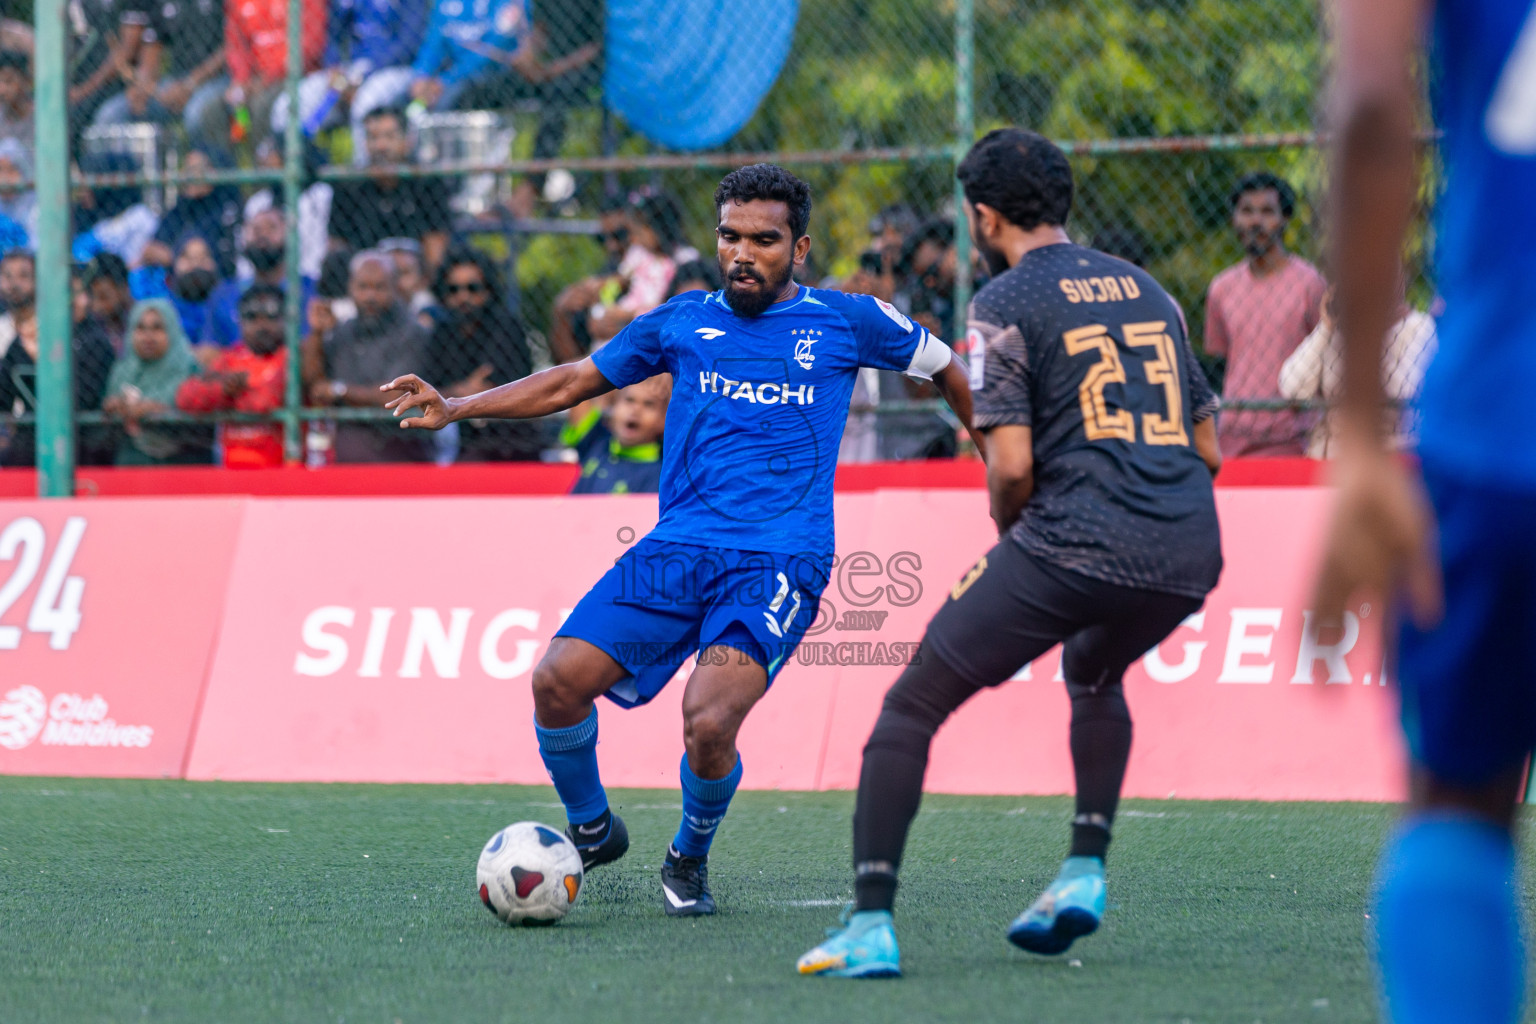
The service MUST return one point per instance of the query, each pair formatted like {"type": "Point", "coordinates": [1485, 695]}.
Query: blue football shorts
{"type": "Point", "coordinates": [663, 601]}
{"type": "Point", "coordinates": [1469, 683]}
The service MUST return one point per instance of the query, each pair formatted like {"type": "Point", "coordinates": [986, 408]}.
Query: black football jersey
{"type": "Point", "coordinates": [1091, 353]}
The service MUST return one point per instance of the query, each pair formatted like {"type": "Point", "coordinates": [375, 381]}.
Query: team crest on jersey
{"type": "Point", "coordinates": [805, 337]}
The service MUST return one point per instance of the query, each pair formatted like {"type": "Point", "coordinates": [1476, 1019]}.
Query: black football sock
{"type": "Point", "coordinates": [890, 789]}
{"type": "Point", "coordinates": [594, 831]}
{"type": "Point", "coordinates": [1090, 836]}
{"type": "Point", "coordinates": [1101, 746]}
{"type": "Point", "coordinates": [891, 780]}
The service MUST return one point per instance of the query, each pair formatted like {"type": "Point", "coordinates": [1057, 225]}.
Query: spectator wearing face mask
{"type": "Point", "coordinates": [250, 377]}
{"type": "Point", "coordinates": [211, 212]}
{"type": "Point", "coordinates": [189, 283]}
{"type": "Point", "coordinates": [265, 252]}
{"type": "Point", "coordinates": [314, 202]}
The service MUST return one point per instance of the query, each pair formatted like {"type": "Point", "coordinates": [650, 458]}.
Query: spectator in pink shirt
{"type": "Point", "coordinates": [1256, 314]}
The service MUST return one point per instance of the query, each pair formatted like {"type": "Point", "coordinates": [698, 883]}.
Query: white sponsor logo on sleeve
{"type": "Point", "coordinates": [895, 314]}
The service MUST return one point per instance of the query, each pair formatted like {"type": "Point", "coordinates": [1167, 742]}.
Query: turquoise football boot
{"type": "Point", "coordinates": [865, 947]}
{"type": "Point", "coordinates": [1072, 906]}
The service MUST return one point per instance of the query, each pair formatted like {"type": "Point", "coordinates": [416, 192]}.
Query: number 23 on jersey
{"type": "Point", "coordinates": [1100, 422]}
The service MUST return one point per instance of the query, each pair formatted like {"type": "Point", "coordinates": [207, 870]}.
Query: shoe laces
{"type": "Point", "coordinates": [844, 919]}
{"type": "Point", "coordinates": [694, 869]}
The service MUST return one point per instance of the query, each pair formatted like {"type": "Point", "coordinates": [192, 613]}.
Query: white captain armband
{"type": "Point", "coordinates": [930, 357]}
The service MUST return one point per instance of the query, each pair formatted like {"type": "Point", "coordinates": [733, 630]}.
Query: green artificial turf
{"type": "Point", "coordinates": [174, 901]}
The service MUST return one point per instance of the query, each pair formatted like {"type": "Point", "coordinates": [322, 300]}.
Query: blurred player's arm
{"type": "Point", "coordinates": [1010, 472]}
{"type": "Point", "coordinates": [1379, 538]}
{"type": "Point", "coordinates": [539, 394]}
{"type": "Point", "coordinates": [1375, 102]}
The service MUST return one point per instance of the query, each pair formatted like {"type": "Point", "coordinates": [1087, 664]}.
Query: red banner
{"type": "Point", "coordinates": [504, 478]}
{"type": "Point", "coordinates": [108, 612]}
{"type": "Point", "coordinates": [394, 640]}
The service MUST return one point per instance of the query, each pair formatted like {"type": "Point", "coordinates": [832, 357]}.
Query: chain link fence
{"type": "Point", "coordinates": [483, 187]}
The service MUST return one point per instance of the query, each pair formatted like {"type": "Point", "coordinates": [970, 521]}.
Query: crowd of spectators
{"type": "Point", "coordinates": [183, 307]}
{"type": "Point", "coordinates": [1268, 338]}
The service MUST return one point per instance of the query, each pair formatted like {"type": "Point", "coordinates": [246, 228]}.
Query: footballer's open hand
{"type": "Point", "coordinates": [433, 410]}
{"type": "Point", "coordinates": [1380, 541]}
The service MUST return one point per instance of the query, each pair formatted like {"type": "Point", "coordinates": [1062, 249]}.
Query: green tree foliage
{"type": "Point", "coordinates": [866, 74]}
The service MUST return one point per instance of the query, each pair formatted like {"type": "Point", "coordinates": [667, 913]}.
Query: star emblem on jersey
{"type": "Point", "coordinates": [710, 333]}
{"type": "Point", "coordinates": [805, 337]}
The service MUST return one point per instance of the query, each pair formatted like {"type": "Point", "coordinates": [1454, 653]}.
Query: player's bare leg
{"type": "Point", "coordinates": [569, 679]}
{"type": "Point", "coordinates": [566, 685]}
{"type": "Point", "coordinates": [1495, 801]}
{"type": "Point", "coordinates": [721, 691]}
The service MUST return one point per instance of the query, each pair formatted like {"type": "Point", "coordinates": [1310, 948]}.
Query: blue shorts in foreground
{"type": "Point", "coordinates": [1469, 684]}
{"type": "Point", "coordinates": [663, 601]}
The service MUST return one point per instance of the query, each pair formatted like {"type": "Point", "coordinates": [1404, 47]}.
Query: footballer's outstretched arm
{"type": "Point", "coordinates": [954, 384]}
{"type": "Point", "coordinates": [538, 394]}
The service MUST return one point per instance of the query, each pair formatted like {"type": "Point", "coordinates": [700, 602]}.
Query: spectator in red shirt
{"type": "Point", "coordinates": [1256, 314]}
{"type": "Point", "coordinates": [250, 377]}
{"type": "Point", "coordinates": [256, 50]}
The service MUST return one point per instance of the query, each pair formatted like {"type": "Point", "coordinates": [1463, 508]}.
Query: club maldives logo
{"type": "Point", "coordinates": [22, 714]}
{"type": "Point", "coordinates": [69, 720]}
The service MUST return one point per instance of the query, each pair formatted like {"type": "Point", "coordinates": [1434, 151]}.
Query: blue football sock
{"type": "Point", "coordinates": [570, 757]}
{"type": "Point", "coordinates": [704, 804]}
{"type": "Point", "coordinates": [1448, 940]}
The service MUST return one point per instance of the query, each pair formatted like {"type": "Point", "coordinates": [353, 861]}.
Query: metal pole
{"type": "Point", "coordinates": [55, 385]}
{"type": "Point", "coordinates": [965, 134]}
{"type": "Point", "coordinates": [293, 168]}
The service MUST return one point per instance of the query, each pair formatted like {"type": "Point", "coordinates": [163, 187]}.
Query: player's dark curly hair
{"type": "Point", "coordinates": [462, 255]}
{"type": "Point", "coordinates": [1262, 181]}
{"type": "Point", "coordinates": [772, 183]}
{"type": "Point", "coordinates": [1021, 175]}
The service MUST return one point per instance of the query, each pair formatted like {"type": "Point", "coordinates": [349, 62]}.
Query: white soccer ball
{"type": "Point", "coordinates": [529, 874]}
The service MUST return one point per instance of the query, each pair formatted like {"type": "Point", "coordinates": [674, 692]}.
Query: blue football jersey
{"type": "Point", "coordinates": [757, 410]}
{"type": "Point", "coordinates": [1474, 421]}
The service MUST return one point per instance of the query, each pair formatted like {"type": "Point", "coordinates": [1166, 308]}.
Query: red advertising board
{"type": "Point", "coordinates": [394, 640]}
{"type": "Point", "coordinates": [108, 613]}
